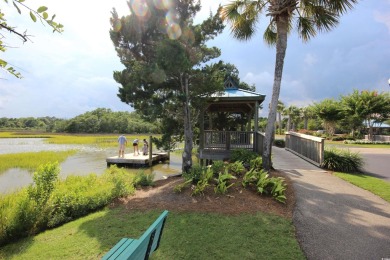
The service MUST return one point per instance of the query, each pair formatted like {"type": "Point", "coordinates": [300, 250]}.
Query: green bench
{"type": "Point", "coordinates": [142, 248]}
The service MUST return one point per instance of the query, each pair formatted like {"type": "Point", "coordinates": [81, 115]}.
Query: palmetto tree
{"type": "Point", "coordinates": [307, 16]}
{"type": "Point", "coordinates": [280, 109]}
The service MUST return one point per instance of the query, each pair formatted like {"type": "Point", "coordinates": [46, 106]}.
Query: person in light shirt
{"type": "Point", "coordinates": [122, 144]}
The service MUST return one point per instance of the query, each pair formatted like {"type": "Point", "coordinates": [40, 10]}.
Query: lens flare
{"type": "Point", "coordinates": [162, 25]}
{"type": "Point", "coordinates": [140, 8]}
{"type": "Point", "coordinates": [188, 36]}
{"type": "Point", "coordinates": [163, 4]}
{"type": "Point", "coordinates": [174, 31]}
{"type": "Point", "coordinates": [171, 17]}
{"type": "Point", "coordinates": [117, 25]}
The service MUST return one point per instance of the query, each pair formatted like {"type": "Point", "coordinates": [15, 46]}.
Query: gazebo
{"type": "Point", "coordinates": [217, 144]}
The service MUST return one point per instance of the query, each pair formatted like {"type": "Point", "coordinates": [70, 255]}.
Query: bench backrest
{"type": "Point", "coordinates": [143, 247]}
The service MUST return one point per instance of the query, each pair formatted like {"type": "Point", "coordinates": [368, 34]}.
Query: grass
{"type": "Point", "coordinates": [31, 161]}
{"type": "Point", "coordinates": [186, 236]}
{"type": "Point", "coordinates": [374, 185]}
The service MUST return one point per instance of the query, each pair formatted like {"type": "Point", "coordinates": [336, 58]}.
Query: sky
{"type": "Point", "coordinates": [68, 74]}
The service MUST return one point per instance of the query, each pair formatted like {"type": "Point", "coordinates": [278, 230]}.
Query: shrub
{"type": "Point", "coordinates": [280, 143]}
{"type": "Point", "coordinates": [201, 185]}
{"type": "Point", "coordinates": [243, 155]}
{"type": "Point", "coordinates": [49, 203]}
{"type": "Point", "coordinates": [365, 142]}
{"type": "Point", "coordinates": [195, 173]}
{"type": "Point", "coordinates": [342, 160]}
{"type": "Point", "coordinates": [237, 168]}
{"type": "Point", "coordinates": [222, 182]}
{"type": "Point", "coordinates": [256, 164]}
{"type": "Point", "coordinates": [339, 138]}
{"type": "Point", "coordinates": [144, 179]}
{"type": "Point", "coordinates": [217, 167]}
{"type": "Point", "coordinates": [265, 185]}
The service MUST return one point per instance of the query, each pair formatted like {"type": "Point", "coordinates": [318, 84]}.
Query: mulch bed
{"type": "Point", "coordinates": [237, 200]}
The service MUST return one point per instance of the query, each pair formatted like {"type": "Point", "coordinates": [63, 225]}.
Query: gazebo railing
{"type": "Point", "coordinates": [228, 140]}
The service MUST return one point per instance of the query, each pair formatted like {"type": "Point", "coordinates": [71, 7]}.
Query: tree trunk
{"type": "Point", "coordinates": [306, 120]}
{"type": "Point", "coordinates": [188, 134]}
{"type": "Point", "coordinates": [281, 46]}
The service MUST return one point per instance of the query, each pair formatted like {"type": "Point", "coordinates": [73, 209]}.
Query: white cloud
{"type": "Point", "coordinates": [310, 59]}
{"type": "Point", "coordinates": [383, 17]}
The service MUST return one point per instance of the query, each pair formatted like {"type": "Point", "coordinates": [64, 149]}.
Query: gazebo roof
{"type": "Point", "coordinates": [234, 99]}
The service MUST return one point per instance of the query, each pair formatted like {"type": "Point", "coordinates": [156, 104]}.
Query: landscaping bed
{"type": "Point", "coordinates": [236, 201]}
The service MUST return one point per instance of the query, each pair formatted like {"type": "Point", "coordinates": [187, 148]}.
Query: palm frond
{"type": "Point", "coordinates": [306, 28]}
{"type": "Point", "coordinates": [243, 17]}
{"type": "Point", "coordinates": [270, 35]}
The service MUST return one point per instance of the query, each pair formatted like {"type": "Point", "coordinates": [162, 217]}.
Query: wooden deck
{"type": "Point", "coordinates": [136, 160]}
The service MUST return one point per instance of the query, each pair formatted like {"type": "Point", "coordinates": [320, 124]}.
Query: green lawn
{"type": "Point", "coordinates": [186, 236]}
{"type": "Point", "coordinates": [372, 184]}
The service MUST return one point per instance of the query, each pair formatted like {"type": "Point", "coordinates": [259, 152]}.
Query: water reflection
{"type": "Point", "coordinates": [88, 159]}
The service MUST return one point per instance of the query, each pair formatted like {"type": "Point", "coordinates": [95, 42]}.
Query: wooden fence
{"type": "Point", "coordinates": [308, 147]}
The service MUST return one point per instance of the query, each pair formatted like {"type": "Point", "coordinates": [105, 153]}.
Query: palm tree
{"type": "Point", "coordinates": [292, 112]}
{"type": "Point", "coordinates": [280, 109]}
{"type": "Point", "coordinates": [308, 16]}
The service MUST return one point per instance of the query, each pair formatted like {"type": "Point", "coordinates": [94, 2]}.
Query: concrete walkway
{"type": "Point", "coordinates": [333, 218]}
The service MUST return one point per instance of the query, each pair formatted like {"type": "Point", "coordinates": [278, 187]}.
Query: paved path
{"type": "Point", "coordinates": [376, 161]}
{"type": "Point", "coordinates": [335, 219]}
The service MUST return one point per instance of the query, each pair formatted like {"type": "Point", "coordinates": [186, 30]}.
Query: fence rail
{"type": "Point", "coordinates": [308, 147]}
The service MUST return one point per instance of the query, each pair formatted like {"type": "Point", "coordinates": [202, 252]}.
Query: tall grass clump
{"type": "Point", "coordinates": [49, 202]}
{"type": "Point", "coordinates": [32, 160]}
{"type": "Point", "coordinates": [342, 160]}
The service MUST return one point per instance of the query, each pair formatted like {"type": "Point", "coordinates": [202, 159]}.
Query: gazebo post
{"type": "Point", "coordinates": [201, 137]}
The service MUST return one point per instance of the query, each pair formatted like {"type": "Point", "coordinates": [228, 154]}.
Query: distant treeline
{"type": "Point", "coordinates": [101, 120]}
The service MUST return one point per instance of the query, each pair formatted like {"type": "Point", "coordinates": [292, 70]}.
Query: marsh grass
{"type": "Point", "coordinates": [31, 161]}
{"type": "Point", "coordinates": [186, 236]}
{"type": "Point", "coordinates": [101, 140]}
{"type": "Point", "coordinates": [22, 213]}
{"type": "Point", "coordinates": [374, 185]}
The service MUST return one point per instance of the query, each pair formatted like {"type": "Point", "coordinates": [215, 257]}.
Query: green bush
{"type": "Point", "coordinates": [280, 143]}
{"type": "Point", "coordinates": [49, 203]}
{"type": "Point", "coordinates": [195, 173]}
{"type": "Point", "coordinates": [365, 142]}
{"type": "Point", "coordinates": [274, 186]}
{"type": "Point", "coordinates": [203, 183]}
{"type": "Point", "coordinates": [342, 160]}
{"type": "Point", "coordinates": [217, 167]}
{"type": "Point", "coordinates": [237, 168]}
{"type": "Point", "coordinates": [243, 155]}
{"type": "Point", "coordinates": [144, 179]}
{"type": "Point", "coordinates": [223, 182]}
{"type": "Point", "coordinates": [256, 164]}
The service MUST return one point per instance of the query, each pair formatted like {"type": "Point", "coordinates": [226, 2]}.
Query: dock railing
{"type": "Point", "coordinates": [308, 147]}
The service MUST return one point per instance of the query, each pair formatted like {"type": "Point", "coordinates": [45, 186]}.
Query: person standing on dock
{"type": "Point", "coordinates": [145, 148]}
{"type": "Point", "coordinates": [135, 146]}
{"type": "Point", "coordinates": [122, 143]}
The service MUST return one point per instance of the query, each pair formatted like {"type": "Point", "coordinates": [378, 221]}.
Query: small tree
{"type": "Point", "coordinates": [329, 111]}
{"type": "Point", "coordinates": [367, 106]}
{"type": "Point", "coordinates": [39, 14]}
{"type": "Point", "coordinates": [164, 60]}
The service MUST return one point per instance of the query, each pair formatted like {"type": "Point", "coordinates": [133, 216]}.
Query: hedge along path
{"type": "Point", "coordinates": [31, 161]}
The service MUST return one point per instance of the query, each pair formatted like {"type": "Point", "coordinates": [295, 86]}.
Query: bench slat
{"type": "Point", "coordinates": [118, 248]}
{"type": "Point", "coordinates": [140, 248]}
